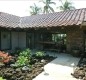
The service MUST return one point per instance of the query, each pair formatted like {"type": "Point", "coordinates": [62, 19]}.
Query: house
{"type": "Point", "coordinates": [40, 31]}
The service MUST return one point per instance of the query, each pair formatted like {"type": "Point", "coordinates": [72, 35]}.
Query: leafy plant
{"type": "Point", "coordinates": [1, 78]}
{"type": "Point", "coordinates": [66, 5]}
{"type": "Point", "coordinates": [40, 54]}
{"type": "Point", "coordinates": [24, 58]}
{"type": "Point", "coordinates": [35, 9]}
{"type": "Point", "coordinates": [47, 8]}
{"type": "Point", "coordinates": [4, 57]}
{"type": "Point", "coordinates": [22, 61]}
{"type": "Point", "coordinates": [25, 53]}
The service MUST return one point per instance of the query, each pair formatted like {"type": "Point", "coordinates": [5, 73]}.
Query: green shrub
{"type": "Point", "coordinates": [24, 57]}
{"type": "Point", "coordinates": [39, 54]}
{"type": "Point", "coordinates": [22, 61]}
{"type": "Point", "coordinates": [1, 78]}
{"type": "Point", "coordinates": [25, 53]}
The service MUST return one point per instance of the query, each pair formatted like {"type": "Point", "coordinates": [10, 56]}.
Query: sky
{"type": "Point", "coordinates": [21, 7]}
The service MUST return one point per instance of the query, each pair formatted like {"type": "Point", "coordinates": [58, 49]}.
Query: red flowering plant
{"type": "Point", "coordinates": [4, 57]}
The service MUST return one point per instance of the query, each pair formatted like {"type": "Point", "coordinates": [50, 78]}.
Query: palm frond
{"type": "Point", "coordinates": [66, 6]}
{"type": "Point", "coordinates": [51, 9]}
{"type": "Point", "coordinates": [53, 3]}
{"type": "Point", "coordinates": [61, 7]}
{"type": "Point", "coordinates": [34, 9]}
{"type": "Point", "coordinates": [42, 1]}
{"type": "Point", "coordinates": [31, 6]}
{"type": "Point", "coordinates": [46, 7]}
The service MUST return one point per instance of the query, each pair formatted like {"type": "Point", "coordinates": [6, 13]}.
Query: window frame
{"type": "Point", "coordinates": [10, 45]}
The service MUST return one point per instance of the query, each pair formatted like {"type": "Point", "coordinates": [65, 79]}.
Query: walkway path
{"type": "Point", "coordinates": [59, 69]}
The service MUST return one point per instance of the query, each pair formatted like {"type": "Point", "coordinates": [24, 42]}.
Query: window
{"type": "Point", "coordinates": [59, 38]}
{"type": "Point", "coordinates": [5, 40]}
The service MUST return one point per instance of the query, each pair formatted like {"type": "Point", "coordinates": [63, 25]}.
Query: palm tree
{"type": "Point", "coordinates": [66, 5]}
{"type": "Point", "coordinates": [35, 9]}
{"type": "Point", "coordinates": [47, 8]}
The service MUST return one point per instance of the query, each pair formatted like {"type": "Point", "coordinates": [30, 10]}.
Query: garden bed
{"type": "Point", "coordinates": [28, 71]}
{"type": "Point", "coordinates": [80, 70]}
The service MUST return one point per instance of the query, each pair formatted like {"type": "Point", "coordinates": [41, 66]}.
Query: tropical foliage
{"type": "Point", "coordinates": [35, 9]}
{"type": "Point", "coordinates": [66, 5]}
{"type": "Point", "coordinates": [22, 61]}
{"type": "Point", "coordinates": [47, 8]}
{"type": "Point", "coordinates": [4, 57]}
{"type": "Point", "coordinates": [24, 58]}
{"type": "Point", "coordinates": [39, 54]}
{"type": "Point", "coordinates": [1, 78]}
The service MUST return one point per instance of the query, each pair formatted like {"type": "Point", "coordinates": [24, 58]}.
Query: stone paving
{"type": "Point", "coordinates": [60, 68]}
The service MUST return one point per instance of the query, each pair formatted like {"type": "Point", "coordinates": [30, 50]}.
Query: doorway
{"type": "Point", "coordinates": [60, 41]}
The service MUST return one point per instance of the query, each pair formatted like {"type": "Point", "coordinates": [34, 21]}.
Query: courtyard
{"type": "Point", "coordinates": [60, 68]}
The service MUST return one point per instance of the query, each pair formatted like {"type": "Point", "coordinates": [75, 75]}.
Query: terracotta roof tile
{"type": "Point", "coordinates": [72, 17]}
{"type": "Point", "coordinates": [65, 18]}
{"type": "Point", "coordinates": [7, 20]}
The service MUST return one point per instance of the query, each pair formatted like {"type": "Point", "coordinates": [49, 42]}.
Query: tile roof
{"type": "Point", "coordinates": [8, 20]}
{"type": "Point", "coordinates": [64, 18]}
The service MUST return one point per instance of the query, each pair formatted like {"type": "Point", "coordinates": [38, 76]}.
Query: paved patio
{"type": "Point", "coordinates": [59, 69]}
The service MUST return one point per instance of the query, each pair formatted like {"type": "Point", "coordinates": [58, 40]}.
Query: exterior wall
{"type": "Point", "coordinates": [30, 40]}
{"type": "Point", "coordinates": [38, 37]}
{"type": "Point", "coordinates": [22, 40]}
{"type": "Point", "coordinates": [75, 39]}
{"type": "Point", "coordinates": [18, 40]}
{"type": "Point", "coordinates": [5, 40]}
{"type": "Point", "coordinates": [14, 39]}
{"type": "Point", "coordinates": [37, 45]}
